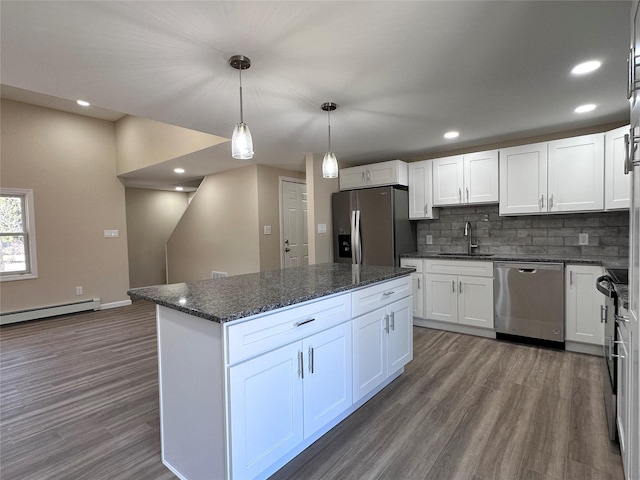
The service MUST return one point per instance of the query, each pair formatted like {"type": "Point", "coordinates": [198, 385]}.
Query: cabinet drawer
{"type": "Point", "coordinates": [459, 267]}
{"type": "Point", "coordinates": [412, 263]}
{"type": "Point", "coordinates": [380, 295]}
{"type": "Point", "coordinates": [267, 332]}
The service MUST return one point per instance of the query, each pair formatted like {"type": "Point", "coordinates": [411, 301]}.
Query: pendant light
{"type": "Point", "coordinates": [241, 142]}
{"type": "Point", "coordinates": [329, 162]}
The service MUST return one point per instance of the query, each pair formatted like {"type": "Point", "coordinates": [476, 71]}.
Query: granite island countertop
{"type": "Point", "coordinates": [231, 298]}
{"type": "Point", "coordinates": [609, 262]}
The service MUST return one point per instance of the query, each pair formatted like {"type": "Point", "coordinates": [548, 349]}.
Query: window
{"type": "Point", "coordinates": [17, 235]}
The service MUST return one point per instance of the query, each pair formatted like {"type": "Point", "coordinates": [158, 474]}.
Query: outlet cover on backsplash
{"type": "Point", "coordinates": [583, 239]}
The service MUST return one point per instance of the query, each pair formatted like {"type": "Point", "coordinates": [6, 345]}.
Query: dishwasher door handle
{"type": "Point", "coordinates": [527, 270]}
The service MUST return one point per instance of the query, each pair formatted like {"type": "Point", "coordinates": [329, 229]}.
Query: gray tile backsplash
{"type": "Point", "coordinates": [535, 234]}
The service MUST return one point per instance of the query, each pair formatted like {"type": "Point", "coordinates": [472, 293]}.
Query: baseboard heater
{"type": "Point", "coordinates": [51, 311]}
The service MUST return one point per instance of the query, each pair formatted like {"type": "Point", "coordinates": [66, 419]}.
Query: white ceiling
{"type": "Point", "coordinates": [402, 72]}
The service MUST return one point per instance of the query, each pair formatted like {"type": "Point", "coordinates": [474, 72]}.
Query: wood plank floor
{"type": "Point", "coordinates": [79, 400]}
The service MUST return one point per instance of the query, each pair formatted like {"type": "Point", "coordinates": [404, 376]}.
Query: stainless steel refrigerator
{"type": "Point", "coordinates": [372, 227]}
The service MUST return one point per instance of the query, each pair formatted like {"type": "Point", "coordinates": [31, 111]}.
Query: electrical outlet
{"type": "Point", "coordinates": [267, 229]}
{"type": "Point", "coordinates": [322, 228]}
{"type": "Point", "coordinates": [79, 290]}
{"type": "Point", "coordinates": [583, 239]}
{"type": "Point", "coordinates": [111, 234]}
{"type": "Point", "coordinates": [429, 239]}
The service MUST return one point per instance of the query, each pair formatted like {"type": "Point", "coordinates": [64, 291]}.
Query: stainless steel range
{"type": "Point", "coordinates": [608, 312]}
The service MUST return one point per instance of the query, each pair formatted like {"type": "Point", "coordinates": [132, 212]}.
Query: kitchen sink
{"type": "Point", "coordinates": [465, 254]}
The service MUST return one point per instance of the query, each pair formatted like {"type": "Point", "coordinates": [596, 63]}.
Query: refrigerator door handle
{"type": "Point", "coordinates": [354, 239]}
{"type": "Point", "coordinates": [358, 239]}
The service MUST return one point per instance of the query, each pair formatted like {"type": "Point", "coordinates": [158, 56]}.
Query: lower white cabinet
{"type": "Point", "coordinates": [286, 395]}
{"type": "Point", "coordinates": [382, 345]}
{"type": "Point", "coordinates": [623, 398]}
{"type": "Point", "coordinates": [417, 284]}
{"type": "Point", "coordinates": [463, 299]}
{"type": "Point", "coordinates": [582, 305]}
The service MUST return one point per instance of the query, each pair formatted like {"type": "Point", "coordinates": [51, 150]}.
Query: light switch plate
{"type": "Point", "coordinates": [267, 229]}
{"type": "Point", "coordinates": [583, 239]}
{"type": "Point", "coordinates": [111, 234]}
{"type": "Point", "coordinates": [322, 228]}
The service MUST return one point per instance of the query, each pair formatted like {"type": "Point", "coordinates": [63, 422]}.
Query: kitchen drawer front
{"type": "Point", "coordinates": [267, 332]}
{"type": "Point", "coordinates": [412, 263]}
{"type": "Point", "coordinates": [459, 267]}
{"type": "Point", "coordinates": [380, 295]}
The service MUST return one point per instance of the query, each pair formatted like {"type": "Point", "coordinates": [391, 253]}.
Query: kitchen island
{"type": "Point", "coordinates": [254, 368]}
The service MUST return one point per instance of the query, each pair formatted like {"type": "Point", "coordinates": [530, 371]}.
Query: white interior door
{"type": "Point", "coordinates": [295, 241]}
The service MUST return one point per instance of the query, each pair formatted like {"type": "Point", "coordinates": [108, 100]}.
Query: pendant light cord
{"type": "Point", "coordinates": [241, 113]}
{"type": "Point", "coordinates": [329, 122]}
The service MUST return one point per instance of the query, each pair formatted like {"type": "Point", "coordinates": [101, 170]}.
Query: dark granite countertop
{"type": "Point", "coordinates": [610, 262]}
{"type": "Point", "coordinates": [230, 298]}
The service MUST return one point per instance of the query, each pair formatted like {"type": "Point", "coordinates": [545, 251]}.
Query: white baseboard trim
{"type": "Point", "coordinates": [587, 348]}
{"type": "Point", "coordinates": [122, 303]}
{"type": "Point", "coordinates": [454, 327]}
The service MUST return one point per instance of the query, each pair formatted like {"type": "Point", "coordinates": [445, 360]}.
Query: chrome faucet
{"type": "Point", "coordinates": [467, 233]}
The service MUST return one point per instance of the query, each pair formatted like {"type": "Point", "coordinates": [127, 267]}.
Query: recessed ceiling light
{"type": "Point", "coordinates": [585, 108]}
{"type": "Point", "coordinates": [452, 134]}
{"type": "Point", "coordinates": [82, 103]}
{"type": "Point", "coordinates": [586, 67]}
{"type": "Point", "coordinates": [179, 189]}
{"type": "Point", "coordinates": [178, 170]}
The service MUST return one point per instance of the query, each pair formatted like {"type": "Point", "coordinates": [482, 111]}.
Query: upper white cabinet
{"type": "Point", "coordinates": [617, 185]}
{"type": "Point", "coordinates": [576, 174]}
{"type": "Point", "coordinates": [523, 179]}
{"type": "Point", "coordinates": [393, 172]}
{"type": "Point", "coordinates": [466, 179]}
{"type": "Point", "coordinates": [421, 191]}
{"type": "Point", "coordinates": [561, 176]}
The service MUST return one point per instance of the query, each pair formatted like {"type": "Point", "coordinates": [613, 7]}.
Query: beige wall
{"type": "Point", "coordinates": [142, 142]}
{"type": "Point", "coordinates": [219, 229]}
{"type": "Point", "coordinates": [152, 215]}
{"type": "Point", "coordinates": [319, 191]}
{"type": "Point", "coordinates": [69, 161]}
{"type": "Point", "coordinates": [269, 213]}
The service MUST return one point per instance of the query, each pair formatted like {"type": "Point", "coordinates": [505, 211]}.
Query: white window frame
{"type": "Point", "coordinates": [29, 230]}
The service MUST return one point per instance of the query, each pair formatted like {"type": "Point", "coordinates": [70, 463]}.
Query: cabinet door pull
{"type": "Point", "coordinates": [550, 201]}
{"type": "Point", "coordinates": [368, 175]}
{"type": "Point", "coordinates": [542, 201]}
{"type": "Point", "coordinates": [310, 359]}
{"type": "Point", "coordinates": [418, 283]}
{"type": "Point", "coordinates": [622, 318]}
{"type": "Point", "coordinates": [426, 208]}
{"type": "Point", "coordinates": [453, 286]}
{"type": "Point", "coordinates": [570, 278]}
{"type": "Point", "coordinates": [304, 322]}
{"type": "Point", "coordinates": [459, 195]}
{"type": "Point", "coordinates": [408, 265]}
{"type": "Point", "coordinates": [386, 323]}
{"type": "Point", "coordinates": [603, 314]}
{"type": "Point", "coordinates": [363, 177]}
{"type": "Point", "coordinates": [300, 365]}
{"type": "Point", "coordinates": [393, 321]}
{"type": "Point", "coordinates": [390, 292]}
{"type": "Point", "coordinates": [467, 194]}
{"type": "Point", "coordinates": [459, 287]}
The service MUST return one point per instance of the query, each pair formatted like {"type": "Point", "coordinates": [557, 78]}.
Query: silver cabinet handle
{"type": "Point", "coordinates": [603, 313]}
{"type": "Point", "coordinates": [618, 356]}
{"type": "Point", "coordinates": [467, 194]}
{"type": "Point", "coordinates": [459, 195]}
{"type": "Point", "coordinates": [453, 286]}
{"type": "Point", "coordinates": [570, 278]}
{"type": "Point", "coordinates": [304, 322]}
{"type": "Point", "coordinates": [408, 265]}
{"type": "Point", "coordinates": [390, 292]}
{"type": "Point", "coordinates": [300, 365]}
{"type": "Point", "coordinates": [368, 175]}
{"type": "Point", "coordinates": [386, 323]}
{"type": "Point", "coordinates": [459, 287]}
{"type": "Point", "coordinates": [550, 201]}
{"type": "Point", "coordinates": [542, 201]}
{"type": "Point", "coordinates": [426, 208]}
{"type": "Point", "coordinates": [393, 321]}
{"type": "Point", "coordinates": [418, 283]}
{"type": "Point", "coordinates": [363, 177]}
{"type": "Point", "coordinates": [627, 154]}
{"type": "Point", "coordinates": [310, 359]}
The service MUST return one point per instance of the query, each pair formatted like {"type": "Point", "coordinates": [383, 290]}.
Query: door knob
{"type": "Point", "coordinates": [287, 249]}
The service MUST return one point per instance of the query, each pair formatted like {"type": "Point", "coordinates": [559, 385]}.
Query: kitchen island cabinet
{"type": "Point", "coordinates": [255, 368]}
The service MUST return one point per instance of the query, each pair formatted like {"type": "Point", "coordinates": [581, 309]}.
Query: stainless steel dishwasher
{"type": "Point", "coordinates": [529, 300]}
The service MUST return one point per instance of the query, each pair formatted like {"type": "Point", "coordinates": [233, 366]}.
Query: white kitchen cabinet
{"type": "Point", "coordinates": [617, 185]}
{"type": "Point", "coordinates": [459, 292]}
{"type": "Point", "coordinates": [417, 284]}
{"type": "Point", "coordinates": [421, 191]}
{"type": "Point", "coordinates": [553, 177]}
{"type": "Point", "coordinates": [466, 179]}
{"type": "Point", "coordinates": [523, 179]}
{"type": "Point", "coordinates": [623, 412]}
{"type": "Point", "coordinates": [582, 305]}
{"type": "Point", "coordinates": [393, 172]}
{"type": "Point", "coordinates": [575, 181]}
{"type": "Point", "coordinates": [382, 345]}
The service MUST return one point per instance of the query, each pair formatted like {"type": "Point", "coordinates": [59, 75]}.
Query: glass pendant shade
{"type": "Point", "coordinates": [241, 142]}
{"type": "Point", "coordinates": [330, 165]}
